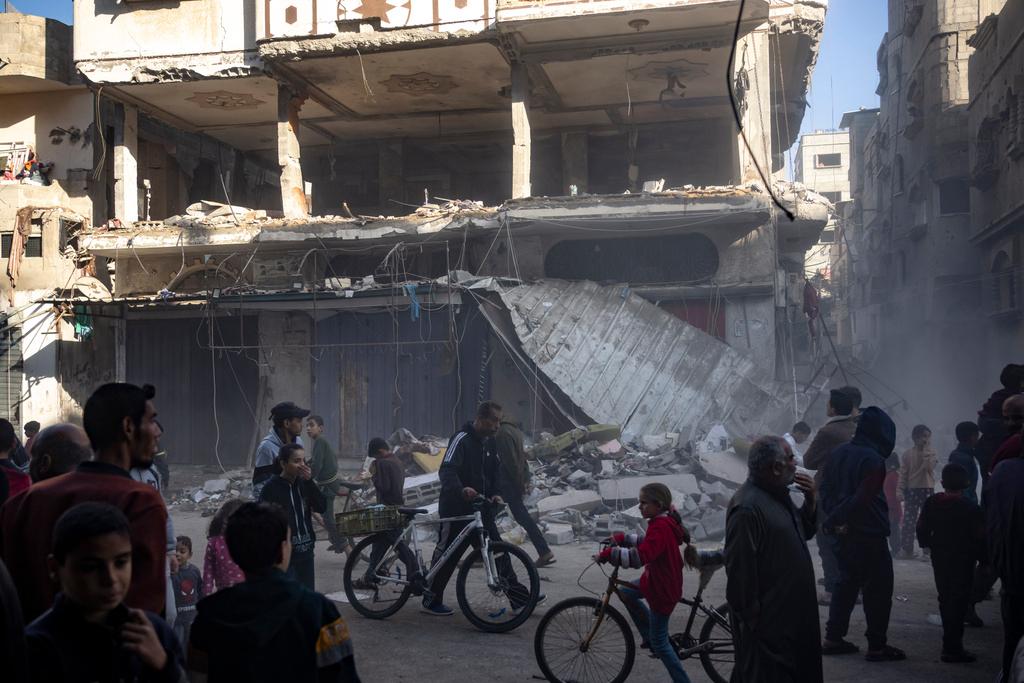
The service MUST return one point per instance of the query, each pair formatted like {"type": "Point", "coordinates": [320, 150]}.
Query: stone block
{"type": "Point", "coordinates": [628, 488]}
{"type": "Point", "coordinates": [613, 448]}
{"type": "Point", "coordinates": [584, 501]}
{"type": "Point", "coordinates": [713, 522]}
{"type": "Point", "coordinates": [216, 485]}
{"type": "Point", "coordinates": [559, 534]}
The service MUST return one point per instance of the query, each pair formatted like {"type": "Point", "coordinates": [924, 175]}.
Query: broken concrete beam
{"type": "Point", "coordinates": [584, 501]}
{"type": "Point", "coordinates": [725, 465]}
{"type": "Point", "coordinates": [628, 488]}
{"type": "Point", "coordinates": [559, 534]}
{"type": "Point", "coordinates": [550, 448]}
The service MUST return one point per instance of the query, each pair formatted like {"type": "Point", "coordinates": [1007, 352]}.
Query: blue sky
{"type": "Point", "coordinates": [844, 80]}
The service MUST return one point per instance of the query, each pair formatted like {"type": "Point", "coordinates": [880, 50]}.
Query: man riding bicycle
{"type": "Point", "coordinates": [470, 468]}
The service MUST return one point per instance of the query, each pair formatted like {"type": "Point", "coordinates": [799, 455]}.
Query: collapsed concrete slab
{"type": "Point", "coordinates": [628, 488]}
{"type": "Point", "coordinates": [584, 501]}
{"type": "Point", "coordinates": [623, 360]}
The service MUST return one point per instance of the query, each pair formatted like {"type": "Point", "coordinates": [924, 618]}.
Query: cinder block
{"type": "Point", "coordinates": [559, 534]}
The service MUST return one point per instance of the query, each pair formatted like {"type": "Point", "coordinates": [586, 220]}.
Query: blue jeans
{"type": "Point", "coordinates": [653, 629]}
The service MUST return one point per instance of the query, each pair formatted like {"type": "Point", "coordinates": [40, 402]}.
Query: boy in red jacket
{"type": "Point", "coordinates": [662, 581]}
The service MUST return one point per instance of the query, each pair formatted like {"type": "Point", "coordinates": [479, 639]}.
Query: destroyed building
{"type": "Point", "coordinates": [390, 212]}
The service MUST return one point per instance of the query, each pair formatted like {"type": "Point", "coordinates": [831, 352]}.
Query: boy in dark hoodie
{"type": "Point", "coordinates": [853, 499]}
{"type": "Point", "coordinates": [294, 490]}
{"type": "Point", "coordinates": [953, 527]}
{"type": "Point", "coordinates": [89, 634]}
{"type": "Point", "coordinates": [268, 628]}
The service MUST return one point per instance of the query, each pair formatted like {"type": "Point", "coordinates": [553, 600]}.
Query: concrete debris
{"type": "Point", "coordinates": [628, 488]}
{"type": "Point", "coordinates": [559, 534]}
{"type": "Point", "coordinates": [216, 485]}
{"type": "Point", "coordinates": [584, 501]}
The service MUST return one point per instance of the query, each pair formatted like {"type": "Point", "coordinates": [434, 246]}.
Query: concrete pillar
{"type": "Point", "coordinates": [285, 361]}
{"type": "Point", "coordinates": [390, 176]}
{"type": "Point", "coordinates": [575, 169]}
{"type": "Point", "coordinates": [289, 154]}
{"type": "Point", "coordinates": [520, 131]}
{"type": "Point", "coordinates": [126, 166]}
{"type": "Point", "coordinates": [752, 82]}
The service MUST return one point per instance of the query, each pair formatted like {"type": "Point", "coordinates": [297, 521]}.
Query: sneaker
{"type": "Point", "coordinates": [540, 601]}
{"type": "Point", "coordinates": [972, 618]}
{"type": "Point", "coordinates": [962, 657]}
{"type": "Point", "coordinates": [545, 559]}
{"type": "Point", "coordinates": [437, 609]}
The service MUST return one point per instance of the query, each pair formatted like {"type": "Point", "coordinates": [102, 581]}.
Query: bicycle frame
{"type": "Point", "coordinates": [695, 604]}
{"type": "Point", "coordinates": [476, 525]}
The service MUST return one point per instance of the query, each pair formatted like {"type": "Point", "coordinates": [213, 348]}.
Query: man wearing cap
{"type": "Point", "coordinates": [287, 418]}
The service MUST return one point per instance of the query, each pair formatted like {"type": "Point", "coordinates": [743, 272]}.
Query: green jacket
{"type": "Point", "coordinates": [515, 472]}
{"type": "Point", "coordinates": [324, 466]}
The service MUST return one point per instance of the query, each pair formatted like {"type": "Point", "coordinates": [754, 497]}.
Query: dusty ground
{"type": "Point", "coordinates": [412, 646]}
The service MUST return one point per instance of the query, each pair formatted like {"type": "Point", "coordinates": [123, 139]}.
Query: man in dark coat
{"type": "Point", "coordinates": [990, 417]}
{"type": "Point", "coordinates": [770, 573]}
{"type": "Point", "coordinates": [853, 498]}
{"type": "Point", "coordinates": [1003, 499]}
{"type": "Point", "coordinates": [515, 481]}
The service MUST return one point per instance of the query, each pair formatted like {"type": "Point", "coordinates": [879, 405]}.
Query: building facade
{"type": "Point", "coordinates": [996, 114]}
{"type": "Point", "coordinates": [322, 203]}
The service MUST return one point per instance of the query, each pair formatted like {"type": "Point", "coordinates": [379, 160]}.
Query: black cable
{"type": "Point", "coordinates": [736, 114]}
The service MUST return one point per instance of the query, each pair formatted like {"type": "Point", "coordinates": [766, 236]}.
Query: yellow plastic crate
{"type": "Point", "coordinates": [369, 520]}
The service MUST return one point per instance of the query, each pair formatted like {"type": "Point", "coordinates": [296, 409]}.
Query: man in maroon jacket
{"type": "Point", "coordinates": [120, 422]}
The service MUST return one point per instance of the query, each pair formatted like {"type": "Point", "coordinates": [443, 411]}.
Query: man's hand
{"type": "Point", "coordinates": [305, 472]}
{"type": "Point", "coordinates": [690, 558]}
{"type": "Point", "coordinates": [469, 493]}
{"type": "Point", "coordinates": [806, 485]}
{"type": "Point", "coordinates": [139, 637]}
{"type": "Point", "coordinates": [173, 559]}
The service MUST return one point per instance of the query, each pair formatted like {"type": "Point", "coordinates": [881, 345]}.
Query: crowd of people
{"type": "Point", "coordinates": [96, 585]}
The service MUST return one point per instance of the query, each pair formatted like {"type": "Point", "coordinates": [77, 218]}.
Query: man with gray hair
{"type": "Point", "coordinates": [770, 585]}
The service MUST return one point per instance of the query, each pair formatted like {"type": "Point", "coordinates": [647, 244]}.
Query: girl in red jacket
{"type": "Point", "coordinates": [662, 580]}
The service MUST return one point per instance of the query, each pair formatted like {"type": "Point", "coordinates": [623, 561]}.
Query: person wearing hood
{"type": "Point", "coordinates": [770, 575]}
{"type": "Point", "coordinates": [287, 426]}
{"type": "Point", "coordinates": [853, 498]}
{"type": "Point", "coordinates": [268, 628]}
{"type": "Point", "coordinates": [470, 468]}
{"type": "Point", "coordinates": [662, 581]}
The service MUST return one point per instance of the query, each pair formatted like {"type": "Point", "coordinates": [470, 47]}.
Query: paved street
{"type": "Point", "coordinates": [412, 646]}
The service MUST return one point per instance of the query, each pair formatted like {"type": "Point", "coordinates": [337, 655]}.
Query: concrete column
{"type": "Point", "coordinates": [752, 82]}
{"type": "Point", "coordinates": [575, 169]}
{"type": "Point", "coordinates": [289, 154]}
{"type": "Point", "coordinates": [521, 143]}
{"type": "Point", "coordinates": [390, 176]}
{"type": "Point", "coordinates": [126, 166]}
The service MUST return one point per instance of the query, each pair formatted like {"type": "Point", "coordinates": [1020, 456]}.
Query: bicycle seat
{"type": "Point", "coordinates": [351, 485]}
{"type": "Point", "coordinates": [412, 512]}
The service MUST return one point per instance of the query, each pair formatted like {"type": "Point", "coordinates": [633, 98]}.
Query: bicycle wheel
{"type": "Point", "coordinates": [561, 632]}
{"type": "Point", "coordinates": [382, 595]}
{"type": "Point", "coordinates": [506, 605]}
{"type": "Point", "coordinates": [719, 658]}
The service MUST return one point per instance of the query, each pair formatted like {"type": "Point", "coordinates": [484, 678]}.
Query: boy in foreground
{"type": "Point", "coordinates": [89, 634]}
{"type": "Point", "coordinates": [242, 633]}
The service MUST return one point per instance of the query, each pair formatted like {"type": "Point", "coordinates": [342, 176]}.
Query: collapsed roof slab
{"type": "Point", "coordinates": [622, 360]}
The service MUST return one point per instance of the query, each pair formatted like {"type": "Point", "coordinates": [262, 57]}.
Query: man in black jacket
{"type": "Point", "coordinates": [856, 512]}
{"type": "Point", "coordinates": [470, 468]}
{"type": "Point", "coordinates": [298, 495]}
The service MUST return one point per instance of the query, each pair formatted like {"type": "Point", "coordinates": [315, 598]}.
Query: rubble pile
{"type": "Point", "coordinates": [587, 480]}
{"type": "Point", "coordinates": [208, 498]}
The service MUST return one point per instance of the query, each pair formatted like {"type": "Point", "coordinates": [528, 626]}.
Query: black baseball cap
{"type": "Point", "coordinates": [287, 410]}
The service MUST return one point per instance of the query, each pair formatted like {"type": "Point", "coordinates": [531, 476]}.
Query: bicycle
{"type": "Point", "coordinates": [587, 640]}
{"type": "Point", "coordinates": [492, 599]}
